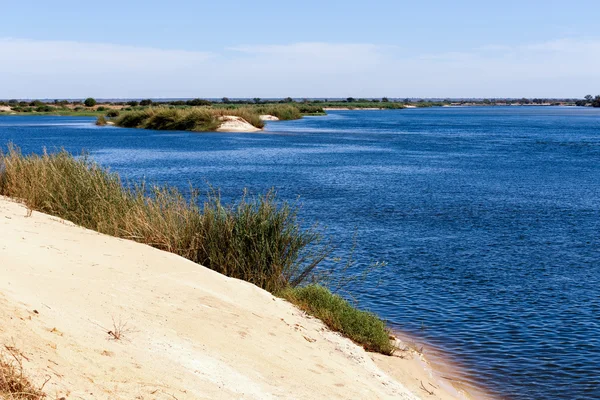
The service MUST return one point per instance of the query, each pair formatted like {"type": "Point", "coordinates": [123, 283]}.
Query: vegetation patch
{"type": "Point", "coordinates": [14, 385]}
{"type": "Point", "coordinates": [101, 121]}
{"type": "Point", "coordinates": [339, 315]}
{"type": "Point", "coordinates": [256, 239]}
{"type": "Point", "coordinates": [197, 119]}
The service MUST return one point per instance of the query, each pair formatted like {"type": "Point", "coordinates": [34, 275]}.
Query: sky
{"type": "Point", "coordinates": [376, 48]}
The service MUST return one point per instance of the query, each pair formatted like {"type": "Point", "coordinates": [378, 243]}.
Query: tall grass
{"type": "Point", "coordinates": [281, 111]}
{"type": "Point", "coordinates": [284, 112]}
{"type": "Point", "coordinates": [198, 119]}
{"type": "Point", "coordinates": [257, 239]}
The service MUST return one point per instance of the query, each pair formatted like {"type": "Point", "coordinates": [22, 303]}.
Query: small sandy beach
{"type": "Point", "coordinates": [185, 332]}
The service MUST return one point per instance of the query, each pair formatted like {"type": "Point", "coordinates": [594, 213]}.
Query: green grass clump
{"type": "Point", "coordinates": [362, 327]}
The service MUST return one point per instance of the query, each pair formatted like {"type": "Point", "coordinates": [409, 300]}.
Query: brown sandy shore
{"type": "Point", "coordinates": [187, 332]}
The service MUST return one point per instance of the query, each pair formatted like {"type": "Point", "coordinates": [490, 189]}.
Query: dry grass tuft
{"type": "Point", "coordinates": [14, 385]}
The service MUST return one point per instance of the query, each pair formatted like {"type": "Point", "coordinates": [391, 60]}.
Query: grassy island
{"type": "Point", "coordinates": [202, 118]}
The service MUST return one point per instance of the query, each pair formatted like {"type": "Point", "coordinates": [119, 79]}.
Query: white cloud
{"type": "Point", "coordinates": [41, 69]}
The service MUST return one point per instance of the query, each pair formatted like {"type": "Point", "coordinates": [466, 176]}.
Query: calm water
{"type": "Point", "coordinates": [488, 218]}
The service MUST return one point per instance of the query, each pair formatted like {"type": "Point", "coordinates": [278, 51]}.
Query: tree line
{"type": "Point", "coordinates": [589, 100]}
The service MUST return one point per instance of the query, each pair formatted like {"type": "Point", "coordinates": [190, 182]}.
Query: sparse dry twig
{"type": "Point", "coordinates": [119, 329]}
{"type": "Point", "coordinates": [425, 389]}
{"type": "Point", "coordinates": [13, 383]}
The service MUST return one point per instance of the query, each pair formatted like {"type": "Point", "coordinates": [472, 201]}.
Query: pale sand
{"type": "Point", "coordinates": [190, 332]}
{"type": "Point", "coordinates": [267, 117]}
{"type": "Point", "coordinates": [352, 108]}
{"type": "Point", "coordinates": [232, 123]}
{"type": "Point", "coordinates": [5, 109]}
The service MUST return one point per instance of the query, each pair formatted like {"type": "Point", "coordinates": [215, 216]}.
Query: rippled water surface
{"type": "Point", "coordinates": [488, 218]}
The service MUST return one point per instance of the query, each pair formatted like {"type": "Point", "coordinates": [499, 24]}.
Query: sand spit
{"type": "Point", "coordinates": [267, 117]}
{"type": "Point", "coordinates": [363, 109]}
{"type": "Point", "coordinates": [185, 332]}
{"type": "Point", "coordinates": [232, 123]}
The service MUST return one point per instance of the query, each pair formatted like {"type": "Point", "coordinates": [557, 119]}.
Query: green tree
{"type": "Point", "coordinates": [596, 102]}
{"type": "Point", "coordinates": [385, 100]}
{"type": "Point", "coordinates": [288, 100]}
{"type": "Point", "coordinates": [350, 100]}
{"type": "Point", "coordinates": [133, 103]}
{"type": "Point", "coordinates": [257, 100]}
{"type": "Point", "coordinates": [225, 100]}
{"type": "Point", "coordinates": [89, 102]}
{"type": "Point", "coordinates": [146, 102]}
{"type": "Point", "coordinates": [198, 102]}
{"type": "Point", "coordinates": [589, 98]}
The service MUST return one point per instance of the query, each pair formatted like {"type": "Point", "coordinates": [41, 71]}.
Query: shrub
{"type": "Point", "coordinates": [310, 109]}
{"type": "Point", "coordinates": [362, 327]}
{"type": "Point", "coordinates": [112, 113]}
{"type": "Point", "coordinates": [101, 121]}
{"type": "Point", "coordinates": [101, 108]}
{"type": "Point", "coordinates": [198, 102]}
{"type": "Point", "coordinates": [89, 102]}
{"type": "Point", "coordinates": [145, 102]}
{"type": "Point", "coordinates": [133, 103]}
{"type": "Point", "coordinates": [45, 108]}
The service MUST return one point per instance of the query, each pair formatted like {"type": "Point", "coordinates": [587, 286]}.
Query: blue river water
{"type": "Point", "coordinates": [488, 219]}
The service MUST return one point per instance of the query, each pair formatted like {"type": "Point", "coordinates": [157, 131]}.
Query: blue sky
{"type": "Point", "coordinates": [301, 49]}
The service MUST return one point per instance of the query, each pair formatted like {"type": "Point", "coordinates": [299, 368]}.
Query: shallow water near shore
{"type": "Point", "coordinates": [488, 218]}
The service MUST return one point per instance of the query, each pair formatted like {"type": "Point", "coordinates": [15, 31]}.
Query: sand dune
{"type": "Point", "coordinates": [231, 123]}
{"type": "Point", "coordinates": [186, 332]}
{"type": "Point", "coordinates": [268, 117]}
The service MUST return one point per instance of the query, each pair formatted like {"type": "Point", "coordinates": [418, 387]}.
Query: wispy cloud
{"type": "Point", "coordinates": [33, 68]}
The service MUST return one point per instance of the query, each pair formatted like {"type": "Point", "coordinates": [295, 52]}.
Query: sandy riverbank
{"type": "Point", "coordinates": [187, 332]}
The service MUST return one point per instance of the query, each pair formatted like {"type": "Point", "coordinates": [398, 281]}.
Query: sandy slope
{"type": "Point", "coordinates": [268, 117]}
{"type": "Point", "coordinates": [231, 123]}
{"type": "Point", "coordinates": [190, 333]}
